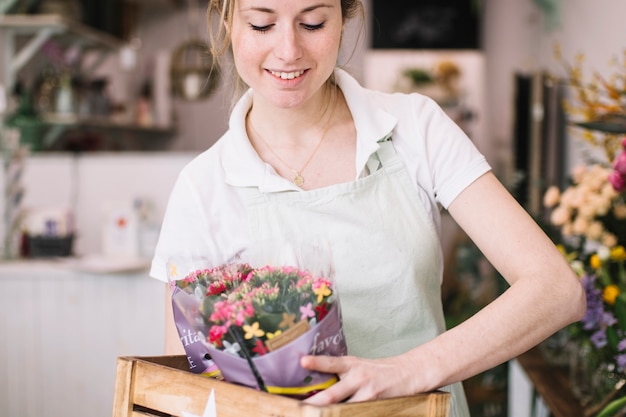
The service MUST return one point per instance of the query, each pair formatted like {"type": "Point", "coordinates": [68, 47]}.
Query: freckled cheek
{"type": "Point", "coordinates": [246, 57]}
{"type": "Point", "coordinates": [327, 46]}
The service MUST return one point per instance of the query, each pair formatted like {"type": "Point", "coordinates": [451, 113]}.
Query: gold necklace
{"type": "Point", "coordinates": [298, 179]}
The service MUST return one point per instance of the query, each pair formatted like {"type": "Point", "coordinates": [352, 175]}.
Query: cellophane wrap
{"type": "Point", "coordinates": [259, 313]}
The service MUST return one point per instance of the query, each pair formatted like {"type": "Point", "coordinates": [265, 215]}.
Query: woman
{"type": "Point", "coordinates": [310, 152]}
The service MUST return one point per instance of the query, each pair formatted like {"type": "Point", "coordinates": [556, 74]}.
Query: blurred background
{"type": "Point", "coordinates": [112, 98]}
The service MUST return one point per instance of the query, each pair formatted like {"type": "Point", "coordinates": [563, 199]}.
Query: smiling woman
{"type": "Point", "coordinates": [311, 154]}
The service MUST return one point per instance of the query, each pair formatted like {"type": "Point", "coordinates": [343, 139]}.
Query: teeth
{"type": "Point", "coordinates": [287, 75]}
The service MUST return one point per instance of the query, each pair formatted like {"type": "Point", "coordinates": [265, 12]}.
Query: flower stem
{"type": "Point", "coordinates": [246, 354]}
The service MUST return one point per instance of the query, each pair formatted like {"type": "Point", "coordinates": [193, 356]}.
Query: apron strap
{"type": "Point", "coordinates": [384, 156]}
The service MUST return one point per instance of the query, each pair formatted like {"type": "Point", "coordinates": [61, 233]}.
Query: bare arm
{"type": "Point", "coordinates": [545, 295]}
{"type": "Point", "coordinates": [173, 346]}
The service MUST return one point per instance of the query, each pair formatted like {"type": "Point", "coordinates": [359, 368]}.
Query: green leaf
{"type": "Point", "coordinates": [612, 408]}
{"type": "Point", "coordinates": [620, 310]}
{"type": "Point", "coordinates": [613, 339]}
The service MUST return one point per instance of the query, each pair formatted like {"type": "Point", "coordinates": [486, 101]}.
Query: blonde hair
{"type": "Point", "coordinates": [219, 21]}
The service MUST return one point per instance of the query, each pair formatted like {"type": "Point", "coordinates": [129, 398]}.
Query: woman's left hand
{"type": "Point", "coordinates": [361, 379]}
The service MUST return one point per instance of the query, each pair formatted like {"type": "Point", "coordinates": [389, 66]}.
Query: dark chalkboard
{"type": "Point", "coordinates": [426, 24]}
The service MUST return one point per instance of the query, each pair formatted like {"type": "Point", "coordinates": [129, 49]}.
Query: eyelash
{"type": "Point", "coordinates": [263, 29]}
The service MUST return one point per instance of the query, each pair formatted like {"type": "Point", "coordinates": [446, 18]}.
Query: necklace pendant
{"type": "Point", "coordinates": [298, 179]}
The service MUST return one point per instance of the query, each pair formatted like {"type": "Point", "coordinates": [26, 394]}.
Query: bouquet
{"type": "Point", "coordinates": [591, 216]}
{"type": "Point", "coordinates": [255, 323]}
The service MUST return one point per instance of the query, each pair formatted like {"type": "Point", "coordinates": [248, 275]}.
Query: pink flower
{"type": "Point", "coordinates": [216, 333]}
{"type": "Point", "coordinates": [619, 164]}
{"type": "Point", "coordinates": [618, 181]}
{"type": "Point", "coordinates": [306, 311]}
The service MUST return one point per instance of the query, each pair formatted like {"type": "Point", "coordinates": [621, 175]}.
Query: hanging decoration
{"type": "Point", "coordinates": [551, 13]}
{"type": "Point", "coordinates": [194, 75]}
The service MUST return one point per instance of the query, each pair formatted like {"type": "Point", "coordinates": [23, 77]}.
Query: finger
{"type": "Point", "coordinates": [327, 364]}
{"type": "Point", "coordinates": [331, 395]}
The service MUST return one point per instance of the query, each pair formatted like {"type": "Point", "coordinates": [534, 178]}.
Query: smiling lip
{"type": "Point", "coordinates": [287, 75]}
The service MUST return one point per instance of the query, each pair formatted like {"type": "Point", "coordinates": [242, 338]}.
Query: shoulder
{"type": "Point", "coordinates": [413, 111]}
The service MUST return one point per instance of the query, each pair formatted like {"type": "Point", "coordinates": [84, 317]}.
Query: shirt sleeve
{"type": "Point", "coordinates": [181, 230]}
{"type": "Point", "coordinates": [453, 160]}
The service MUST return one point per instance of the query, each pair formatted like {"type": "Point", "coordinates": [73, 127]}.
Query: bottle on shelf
{"type": "Point", "coordinates": [27, 121]}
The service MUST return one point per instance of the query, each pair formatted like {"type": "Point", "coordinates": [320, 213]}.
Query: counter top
{"type": "Point", "coordinates": [96, 264]}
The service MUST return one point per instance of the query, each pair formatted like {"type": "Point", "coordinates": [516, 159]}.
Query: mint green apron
{"type": "Point", "coordinates": [386, 255]}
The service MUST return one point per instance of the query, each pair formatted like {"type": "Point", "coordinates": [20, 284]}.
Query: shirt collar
{"type": "Point", "coordinates": [372, 122]}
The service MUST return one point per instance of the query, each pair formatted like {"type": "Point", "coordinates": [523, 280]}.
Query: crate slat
{"type": "Point", "coordinates": [164, 385]}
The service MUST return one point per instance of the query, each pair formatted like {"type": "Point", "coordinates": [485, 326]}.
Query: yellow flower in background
{"type": "Point", "coordinates": [610, 293]}
{"type": "Point", "coordinates": [618, 253]}
{"type": "Point", "coordinates": [595, 262]}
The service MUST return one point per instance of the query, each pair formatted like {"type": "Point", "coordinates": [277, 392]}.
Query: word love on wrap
{"type": "Point", "coordinates": [257, 323]}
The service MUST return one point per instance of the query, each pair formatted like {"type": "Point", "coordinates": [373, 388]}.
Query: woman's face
{"type": "Point", "coordinates": [286, 49]}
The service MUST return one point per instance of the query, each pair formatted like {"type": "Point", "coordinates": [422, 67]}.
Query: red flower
{"type": "Point", "coordinates": [216, 333]}
{"type": "Point", "coordinates": [322, 311]}
{"type": "Point", "coordinates": [259, 348]}
{"type": "Point", "coordinates": [216, 288]}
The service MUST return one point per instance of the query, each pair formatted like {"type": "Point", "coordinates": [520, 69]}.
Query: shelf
{"type": "Point", "coordinates": [551, 383]}
{"type": "Point", "coordinates": [103, 123]}
{"type": "Point", "coordinates": [57, 125]}
{"type": "Point", "coordinates": [56, 24]}
{"type": "Point", "coordinates": [37, 29]}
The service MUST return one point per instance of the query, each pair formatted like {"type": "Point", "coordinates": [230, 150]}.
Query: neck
{"type": "Point", "coordinates": [294, 125]}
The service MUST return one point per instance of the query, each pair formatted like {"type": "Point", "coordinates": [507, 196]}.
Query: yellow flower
{"type": "Point", "coordinates": [595, 261]}
{"type": "Point", "coordinates": [618, 253]}
{"type": "Point", "coordinates": [252, 331]}
{"type": "Point", "coordinates": [322, 291]}
{"type": "Point", "coordinates": [610, 293]}
{"type": "Point", "coordinates": [272, 335]}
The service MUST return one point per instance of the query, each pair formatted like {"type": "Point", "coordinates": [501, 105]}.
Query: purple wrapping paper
{"type": "Point", "coordinates": [196, 351]}
{"type": "Point", "coordinates": [281, 368]}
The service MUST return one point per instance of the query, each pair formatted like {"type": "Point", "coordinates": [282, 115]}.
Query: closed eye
{"type": "Point", "coordinates": [260, 28]}
{"type": "Point", "coordinates": [313, 27]}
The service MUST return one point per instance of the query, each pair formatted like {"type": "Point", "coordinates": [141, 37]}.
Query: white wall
{"type": "Point", "coordinates": [92, 184]}
{"type": "Point", "coordinates": [62, 332]}
{"type": "Point", "coordinates": [516, 39]}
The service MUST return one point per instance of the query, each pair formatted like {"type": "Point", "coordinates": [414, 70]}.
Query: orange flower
{"type": "Point", "coordinates": [610, 293]}
{"type": "Point", "coordinates": [618, 253]}
{"type": "Point", "coordinates": [595, 262]}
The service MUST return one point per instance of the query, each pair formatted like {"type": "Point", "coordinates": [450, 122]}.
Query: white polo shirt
{"type": "Point", "coordinates": [206, 213]}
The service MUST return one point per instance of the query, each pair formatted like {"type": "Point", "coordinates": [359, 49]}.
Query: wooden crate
{"type": "Point", "coordinates": [163, 386]}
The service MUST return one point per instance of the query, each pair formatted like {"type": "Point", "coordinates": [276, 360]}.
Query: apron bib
{"type": "Point", "coordinates": [385, 251]}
